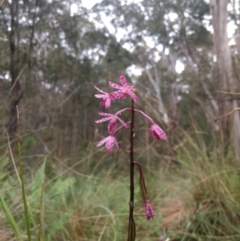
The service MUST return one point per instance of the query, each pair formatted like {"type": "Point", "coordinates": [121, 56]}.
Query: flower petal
{"type": "Point", "coordinates": [117, 95]}
{"type": "Point", "coordinates": [122, 95]}
{"type": "Point", "coordinates": [157, 132]}
{"type": "Point", "coordinates": [103, 141]}
{"type": "Point", "coordinates": [99, 90]}
{"type": "Point", "coordinates": [107, 103]}
{"type": "Point", "coordinates": [123, 80]}
{"type": "Point", "coordinates": [99, 95]}
{"type": "Point", "coordinates": [110, 142]}
{"type": "Point", "coordinates": [112, 126]}
{"type": "Point", "coordinates": [132, 95]}
{"type": "Point", "coordinates": [122, 122]}
{"type": "Point", "coordinates": [102, 103]}
{"type": "Point", "coordinates": [113, 85]}
{"type": "Point", "coordinates": [103, 119]}
{"type": "Point", "coordinates": [105, 114]}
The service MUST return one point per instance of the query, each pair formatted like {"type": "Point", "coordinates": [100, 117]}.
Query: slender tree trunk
{"type": "Point", "coordinates": [156, 85]}
{"type": "Point", "coordinates": [226, 80]}
{"type": "Point", "coordinates": [15, 91]}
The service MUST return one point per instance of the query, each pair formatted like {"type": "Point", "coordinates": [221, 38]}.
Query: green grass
{"type": "Point", "coordinates": [194, 198]}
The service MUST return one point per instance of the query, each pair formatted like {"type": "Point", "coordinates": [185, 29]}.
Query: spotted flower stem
{"type": "Point", "coordinates": [131, 204]}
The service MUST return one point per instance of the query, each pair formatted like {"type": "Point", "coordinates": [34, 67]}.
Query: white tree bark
{"type": "Point", "coordinates": [156, 85]}
{"type": "Point", "coordinates": [227, 82]}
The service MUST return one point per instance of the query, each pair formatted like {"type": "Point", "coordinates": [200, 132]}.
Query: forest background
{"type": "Point", "coordinates": [182, 56]}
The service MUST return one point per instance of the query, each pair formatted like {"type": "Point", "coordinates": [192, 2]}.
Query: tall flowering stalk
{"type": "Point", "coordinates": [110, 141]}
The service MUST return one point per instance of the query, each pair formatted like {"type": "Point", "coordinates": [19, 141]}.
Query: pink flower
{"type": "Point", "coordinates": [148, 209]}
{"type": "Point", "coordinates": [110, 142]}
{"type": "Point", "coordinates": [157, 132]}
{"type": "Point", "coordinates": [108, 97]}
{"type": "Point", "coordinates": [112, 121]}
{"type": "Point", "coordinates": [125, 88]}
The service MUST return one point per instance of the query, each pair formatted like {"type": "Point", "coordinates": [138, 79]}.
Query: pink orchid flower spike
{"type": "Point", "coordinates": [112, 121]}
{"type": "Point", "coordinates": [125, 88]}
{"type": "Point", "coordinates": [109, 142]}
{"type": "Point", "coordinates": [157, 132]}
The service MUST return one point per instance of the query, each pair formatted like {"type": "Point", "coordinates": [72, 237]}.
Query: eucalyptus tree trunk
{"type": "Point", "coordinates": [156, 85]}
{"type": "Point", "coordinates": [227, 82]}
{"type": "Point", "coordinates": [15, 91]}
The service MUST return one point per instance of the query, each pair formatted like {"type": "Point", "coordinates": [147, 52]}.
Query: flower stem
{"type": "Point", "coordinates": [131, 162]}
{"type": "Point", "coordinates": [131, 237]}
{"type": "Point", "coordinates": [143, 187]}
{"type": "Point", "coordinates": [135, 110]}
